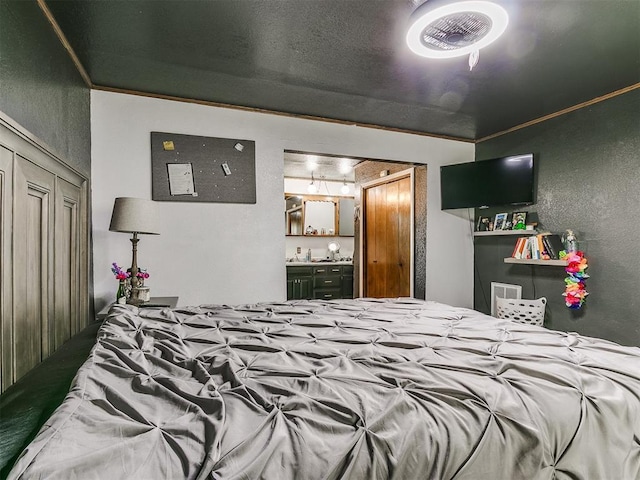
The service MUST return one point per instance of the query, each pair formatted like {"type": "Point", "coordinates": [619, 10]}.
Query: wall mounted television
{"type": "Point", "coordinates": [499, 181]}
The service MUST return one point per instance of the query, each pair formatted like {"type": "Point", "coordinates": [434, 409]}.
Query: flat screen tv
{"type": "Point", "coordinates": [486, 183]}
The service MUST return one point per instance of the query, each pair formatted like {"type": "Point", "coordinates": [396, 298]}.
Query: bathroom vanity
{"type": "Point", "coordinates": [320, 280]}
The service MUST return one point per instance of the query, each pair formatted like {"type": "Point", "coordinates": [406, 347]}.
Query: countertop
{"type": "Point", "coordinates": [317, 262]}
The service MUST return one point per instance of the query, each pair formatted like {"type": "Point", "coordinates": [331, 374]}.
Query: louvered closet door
{"type": "Point", "coordinates": [67, 262]}
{"type": "Point", "coordinates": [44, 253]}
{"type": "Point", "coordinates": [6, 291]}
{"type": "Point", "coordinates": [33, 265]}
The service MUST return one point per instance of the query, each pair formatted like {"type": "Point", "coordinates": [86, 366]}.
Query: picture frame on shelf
{"type": "Point", "coordinates": [483, 224]}
{"type": "Point", "coordinates": [500, 221]}
{"type": "Point", "coordinates": [519, 221]}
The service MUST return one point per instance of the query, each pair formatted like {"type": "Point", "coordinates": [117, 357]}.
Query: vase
{"type": "Point", "coordinates": [139, 295]}
{"type": "Point", "coordinates": [121, 294]}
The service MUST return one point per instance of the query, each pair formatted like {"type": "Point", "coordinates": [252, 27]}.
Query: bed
{"type": "Point", "coordinates": [345, 389]}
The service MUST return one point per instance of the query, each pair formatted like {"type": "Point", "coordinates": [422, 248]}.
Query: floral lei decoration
{"type": "Point", "coordinates": [575, 292]}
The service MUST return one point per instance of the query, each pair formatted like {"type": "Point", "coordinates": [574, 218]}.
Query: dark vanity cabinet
{"type": "Point", "coordinates": [323, 281]}
{"type": "Point", "coordinates": [347, 281]}
{"type": "Point", "coordinates": [299, 282]}
{"type": "Point", "coordinates": [327, 282]}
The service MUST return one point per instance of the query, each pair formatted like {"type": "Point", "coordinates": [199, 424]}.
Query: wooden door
{"type": "Point", "coordinates": [33, 265]}
{"type": "Point", "coordinates": [387, 239]}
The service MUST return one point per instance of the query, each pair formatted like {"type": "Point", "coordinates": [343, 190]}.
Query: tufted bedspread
{"type": "Point", "coordinates": [352, 389]}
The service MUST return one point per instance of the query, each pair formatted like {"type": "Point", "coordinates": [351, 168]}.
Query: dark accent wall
{"type": "Point", "coordinates": [588, 168]}
{"type": "Point", "coordinates": [40, 88]}
{"type": "Point", "coordinates": [368, 171]}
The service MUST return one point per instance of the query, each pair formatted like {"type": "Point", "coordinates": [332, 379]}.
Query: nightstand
{"type": "Point", "coordinates": [154, 302]}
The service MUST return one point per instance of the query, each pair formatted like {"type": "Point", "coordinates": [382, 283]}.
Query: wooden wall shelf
{"type": "Point", "coordinates": [528, 261]}
{"type": "Point", "coordinates": [492, 233]}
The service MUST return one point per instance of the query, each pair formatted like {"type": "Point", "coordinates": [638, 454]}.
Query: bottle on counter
{"type": "Point", "coordinates": [309, 255]}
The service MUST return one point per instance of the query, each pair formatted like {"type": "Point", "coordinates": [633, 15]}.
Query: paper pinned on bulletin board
{"type": "Point", "coordinates": [181, 179]}
{"type": "Point", "coordinates": [190, 168]}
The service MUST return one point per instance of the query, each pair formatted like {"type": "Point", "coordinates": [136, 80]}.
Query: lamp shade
{"type": "Point", "coordinates": [135, 215]}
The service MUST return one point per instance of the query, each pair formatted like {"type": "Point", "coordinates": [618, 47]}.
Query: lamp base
{"type": "Point", "coordinates": [139, 295]}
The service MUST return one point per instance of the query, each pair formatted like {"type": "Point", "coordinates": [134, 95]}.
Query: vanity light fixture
{"type": "Point", "coordinates": [345, 188]}
{"type": "Point", "coordinates": [312, 188]}
{"type": "Point", "coordinates": [447, 30]}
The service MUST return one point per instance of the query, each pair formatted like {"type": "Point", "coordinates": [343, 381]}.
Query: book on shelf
{"type": "Point", "coordinates": [543, 246]}
{"type": "Point", "coordinates": [526, 248]}
{"type": "Point", "coordinates": [535, 251]}
{"type": "Point", "coordinates": [519, 248]}
{"type": "Point", "coordinates": [544, 254]}
{"type": "Point", "coordinates": [528, 252]}
{"type": "Point", "coordinates": [553, 245]}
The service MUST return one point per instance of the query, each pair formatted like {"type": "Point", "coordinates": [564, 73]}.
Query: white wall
{"type": "Point", "coordinates": [234, 253]}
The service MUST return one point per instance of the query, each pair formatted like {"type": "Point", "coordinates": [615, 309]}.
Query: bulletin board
{"type": "Point", "coordinates": [189, 168]}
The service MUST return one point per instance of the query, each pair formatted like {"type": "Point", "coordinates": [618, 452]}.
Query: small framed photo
{"type": "Point", "coordinates": [500, 221]}
{"type": "Point", "coordinates": [483, 224]}
{"type": "Point", "coordinates": [518, 221]}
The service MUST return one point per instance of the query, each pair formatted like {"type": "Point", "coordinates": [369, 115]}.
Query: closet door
{"type": "Point", "coordinates": [387, 241]}
{"type": "Point", "coordinates": [32, 265]}
{"type": "Point", "coordinates": [6, 284]}
{"type": "Point", "coordinates": [67, 280]}
{"type": "Point", "coordinates": [44, 252]}
{"type": "Point", "coordinates": [374, 241]}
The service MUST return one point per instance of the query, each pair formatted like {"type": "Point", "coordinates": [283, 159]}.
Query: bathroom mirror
{"type": "Point", "coordinates": [293, 215]}
{"type": "Point", "coordinates": [319, 217]}
{"type": "Point", "coordinates": [346, 219]}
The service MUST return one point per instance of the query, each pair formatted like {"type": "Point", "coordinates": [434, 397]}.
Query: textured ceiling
{"type": "Point", "coordinates": [324, 167]}
{"type": "Point", "coordinates": [347, 59]}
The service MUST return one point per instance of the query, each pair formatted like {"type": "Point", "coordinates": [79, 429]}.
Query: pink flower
{"type": "Point", "coordinates": [118, 272]}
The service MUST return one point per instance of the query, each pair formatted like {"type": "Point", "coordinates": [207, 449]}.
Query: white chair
{"type": "Point", "coordinates": [530, 312]}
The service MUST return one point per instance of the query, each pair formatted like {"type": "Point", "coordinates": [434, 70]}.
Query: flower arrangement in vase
{"type": "Point", "coordinates": [128, 291]}
{"type": "Point", "coordinates": [123, 283]}
{"type": "Point", "coordinates": [142, 276]}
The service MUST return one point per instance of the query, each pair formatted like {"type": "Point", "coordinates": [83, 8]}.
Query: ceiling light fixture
{"type": "Point", "coordinates": [312, 163]}
{"type": "Point", "coordinates": [345, 166]}
{"type": "Point", "coordinates": [455, 29]}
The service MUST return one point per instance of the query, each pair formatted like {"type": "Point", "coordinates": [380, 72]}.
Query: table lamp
{"type": "Point", "coordinates": [136, 216]}
{"type": "Point", "coordinates": [333, 247]}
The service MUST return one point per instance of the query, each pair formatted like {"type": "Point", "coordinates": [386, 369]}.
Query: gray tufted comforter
{"type": "Point", "coordinates": [353, 389]}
